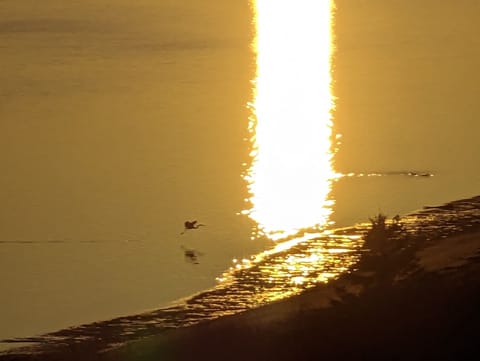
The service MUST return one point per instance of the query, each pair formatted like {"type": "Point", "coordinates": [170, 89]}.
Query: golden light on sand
{"type": "Point", "coordinates": [291, 171]}
{"type": "Point", "coordinates": [295, 265]}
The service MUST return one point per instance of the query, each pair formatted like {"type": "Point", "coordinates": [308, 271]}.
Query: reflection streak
{"type": "Point", "coordinates": [290, 176]}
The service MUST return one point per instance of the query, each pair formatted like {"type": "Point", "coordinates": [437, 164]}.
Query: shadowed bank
{"type": "Point", "coordinates": [413, 297]}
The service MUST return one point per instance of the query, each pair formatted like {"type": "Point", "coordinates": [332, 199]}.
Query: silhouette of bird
{"type": "Point", "coordinates": [191, 225]}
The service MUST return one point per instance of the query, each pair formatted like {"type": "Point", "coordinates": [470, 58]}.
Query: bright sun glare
{"type": "Point", "coordinates": [291, 172]}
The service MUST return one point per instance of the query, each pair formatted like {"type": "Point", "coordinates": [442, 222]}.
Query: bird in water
{"type": "Point", "coordinates": [191, 225]}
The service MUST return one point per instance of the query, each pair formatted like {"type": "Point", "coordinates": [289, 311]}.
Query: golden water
{"type": "Point", "coordinates": [291, 171]}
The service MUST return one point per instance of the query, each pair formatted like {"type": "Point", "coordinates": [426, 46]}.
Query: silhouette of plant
{"type": "Point", "coordinates": [383, 235]}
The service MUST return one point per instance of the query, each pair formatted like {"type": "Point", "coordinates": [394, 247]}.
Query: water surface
{"type": "Point", "coordinates": [120, 120]}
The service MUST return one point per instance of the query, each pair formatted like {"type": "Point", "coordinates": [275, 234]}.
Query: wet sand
{"type": "Point", "coordinates": [418, 302]}
{"type": "Point", "coordinates": [425, 308]}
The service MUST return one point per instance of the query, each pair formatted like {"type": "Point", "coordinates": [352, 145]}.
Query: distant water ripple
{"type": "Point", "coordinates": [55, 241]}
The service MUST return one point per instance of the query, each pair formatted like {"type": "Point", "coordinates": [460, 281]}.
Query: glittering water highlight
{"type": "Point", "coordinates": [291, 172]}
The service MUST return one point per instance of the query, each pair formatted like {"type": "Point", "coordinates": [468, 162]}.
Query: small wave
{"type": "Point", "coordinates": [411, 173]}
{"type": "Point", "coordinates": [68, 241]}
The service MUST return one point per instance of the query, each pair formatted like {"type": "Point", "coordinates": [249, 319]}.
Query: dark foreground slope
{"type": "Point", "coordinates": [428, 316]}
{"type": "Point", "coordinates": [417, 298]}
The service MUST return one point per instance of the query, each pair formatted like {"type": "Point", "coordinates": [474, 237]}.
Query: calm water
{"type": "Point", "coordinates": [120, 120]}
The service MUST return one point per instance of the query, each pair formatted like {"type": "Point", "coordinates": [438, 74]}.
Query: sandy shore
{"type": "Point", "coordinates": [420, 302]}
{"type": "Point", "coordinates": [423, 309]}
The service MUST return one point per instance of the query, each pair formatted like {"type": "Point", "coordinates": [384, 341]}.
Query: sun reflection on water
{"type": "Point", "coordinates": [291, 172]}
{"type": "Point", "coordinates": [292, 267]}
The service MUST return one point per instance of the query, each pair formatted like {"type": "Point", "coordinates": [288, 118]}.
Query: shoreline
{"type": "Point", "coordinates": [415, 305]}
{"type": "Point", "coordinates": [427, 313]}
